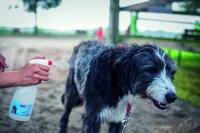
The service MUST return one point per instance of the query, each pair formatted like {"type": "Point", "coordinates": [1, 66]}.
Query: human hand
{"type": "Point", "coordinates": [3, 64]}
{"type": "Point", "coordinates": [33, 74]}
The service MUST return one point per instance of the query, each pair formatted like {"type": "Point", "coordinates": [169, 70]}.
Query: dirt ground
{"type": "Point", "coordinates": [181, 117]}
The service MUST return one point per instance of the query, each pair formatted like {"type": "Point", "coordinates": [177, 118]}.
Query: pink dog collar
{"type": "Point", "coordinates": [126, 118]}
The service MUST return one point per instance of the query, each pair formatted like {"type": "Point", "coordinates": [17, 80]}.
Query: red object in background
{"type": "Point", "coordinates": [100, 34]}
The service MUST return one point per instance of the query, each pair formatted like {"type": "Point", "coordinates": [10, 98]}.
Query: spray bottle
{"type": "Point", "coordinates": [24, 97]}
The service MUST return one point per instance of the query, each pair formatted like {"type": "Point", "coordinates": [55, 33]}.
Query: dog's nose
{"type": "Point", "coordinates": [170, 97]}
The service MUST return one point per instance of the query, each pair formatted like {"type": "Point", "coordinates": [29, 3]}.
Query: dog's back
{"type": "Point", "coordinates": [80, 61]}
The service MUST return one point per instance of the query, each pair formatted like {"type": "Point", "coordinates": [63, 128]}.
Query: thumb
{"type": "Point", "coordinates": [6, 65]}
{"type": "Point", "coordinates": [38, 57]}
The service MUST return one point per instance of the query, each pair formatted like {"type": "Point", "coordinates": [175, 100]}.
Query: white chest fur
{"type": "Point", "coordinates": [118, 113]}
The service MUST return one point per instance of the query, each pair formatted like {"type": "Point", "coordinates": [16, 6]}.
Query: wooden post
{"type": "Point", "coordinates": [114, 22]}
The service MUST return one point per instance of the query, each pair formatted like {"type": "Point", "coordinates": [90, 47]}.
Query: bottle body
{"type": "Point", "coordinates": [22, 103]}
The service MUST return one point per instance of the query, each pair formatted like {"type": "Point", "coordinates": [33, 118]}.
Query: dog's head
{"type": "Point", "coordinates": [150, 73]}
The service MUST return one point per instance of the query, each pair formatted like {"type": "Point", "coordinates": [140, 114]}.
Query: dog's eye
{"type": "Point", "coordinates": [172, 72]}
{"type": "Point", "coordinates": [152, 70]}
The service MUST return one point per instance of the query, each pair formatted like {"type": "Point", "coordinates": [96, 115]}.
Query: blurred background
{"type": "Point", "coordinates": [53, 27]}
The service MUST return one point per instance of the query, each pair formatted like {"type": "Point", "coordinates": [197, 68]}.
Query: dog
{"type": "Point", "coordinates": [106, 78]}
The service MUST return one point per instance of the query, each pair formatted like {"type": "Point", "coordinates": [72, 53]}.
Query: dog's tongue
{"type": "Point", "coordinates": [157, 104]}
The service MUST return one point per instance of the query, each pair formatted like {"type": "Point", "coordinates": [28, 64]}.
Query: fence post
{"type": "Point", "coordinates": [114, 22]}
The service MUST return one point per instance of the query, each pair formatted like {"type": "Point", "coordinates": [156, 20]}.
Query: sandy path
{"type": "Point", "coordinates": [181, 117]}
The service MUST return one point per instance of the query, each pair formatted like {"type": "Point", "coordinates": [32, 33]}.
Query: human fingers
{"type": "Point", "coordinates": [36, 82]}
{"type": "Point", "coordinates": [2, 68]}
{"type": "Point", "coordinates": [3, 64]}
{"type": "Point", "coordinates": [38, 57]}
{"type": "Point", "coordinates": [44, 68]}
{"type": "Point", "coordinates": [2, 58]}
{"type": "Point", "coordinates": [40, 77]}
{"type": "Point", "coordinates": [6, 65]}
{"type": "Point", "coordinates": [43, 73]}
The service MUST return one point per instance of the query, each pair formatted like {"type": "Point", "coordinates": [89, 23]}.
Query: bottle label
{"type": "Point", "coordinates": [21, 109]}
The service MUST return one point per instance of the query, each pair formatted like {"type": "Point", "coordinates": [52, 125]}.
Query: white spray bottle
{"type": "Point", "coordinates": [24, 97]}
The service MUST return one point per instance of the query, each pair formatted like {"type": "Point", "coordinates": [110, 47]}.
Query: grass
{"type": "Point", "coordinates": [187, 78]}
{"type": "Point", "coordinates": [42, 33]}
{"type": "Point", "coordinates": [187, 82]}
{"type": "Point", "coordinates": [184, 58]}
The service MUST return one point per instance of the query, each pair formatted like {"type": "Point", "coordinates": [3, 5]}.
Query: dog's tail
{"type": "Point", "coordinates": [63, 99]}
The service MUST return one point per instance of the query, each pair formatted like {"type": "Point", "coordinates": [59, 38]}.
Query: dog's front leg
{"type": "Point", "coordinates": [90, 124]}
{"type": "Point", "coordinates": [115, 128]}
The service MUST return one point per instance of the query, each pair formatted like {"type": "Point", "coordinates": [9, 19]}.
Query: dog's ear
{"type": "Point", "coordinates": [125, 68]}
{"type": "Point", "coordinates": [100, 73]}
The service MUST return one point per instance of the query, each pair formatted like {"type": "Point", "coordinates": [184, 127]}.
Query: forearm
{"type": "Point", "coordinates": [9, 79]}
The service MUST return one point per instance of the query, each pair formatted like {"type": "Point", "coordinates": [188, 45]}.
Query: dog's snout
{"type": "Point", "coordinates": [170, 97]}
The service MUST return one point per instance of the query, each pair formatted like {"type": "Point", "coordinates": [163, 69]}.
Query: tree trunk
{"type": "Point", "coordinates": [114, 21]}
{"type": "Point", "coordinates": [35, 28]}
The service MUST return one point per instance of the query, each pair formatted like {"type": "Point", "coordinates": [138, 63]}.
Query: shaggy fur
{"type": "Point", "coordinates": [106, 78]}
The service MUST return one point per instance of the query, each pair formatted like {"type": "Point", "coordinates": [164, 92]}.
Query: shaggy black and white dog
{"type": "Point", "coordinates": [106, 79]}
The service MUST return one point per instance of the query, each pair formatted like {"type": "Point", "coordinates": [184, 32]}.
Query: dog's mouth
{"type": "Point", "coordinates": [159, 105]}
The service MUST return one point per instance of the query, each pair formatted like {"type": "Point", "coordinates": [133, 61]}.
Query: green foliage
{"type": "Point", "coordinates": [31, 5]}
{"type": "Point", "coordinates": [197, 25]}
{"type": "Point", "coordinates": [187, 59]}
